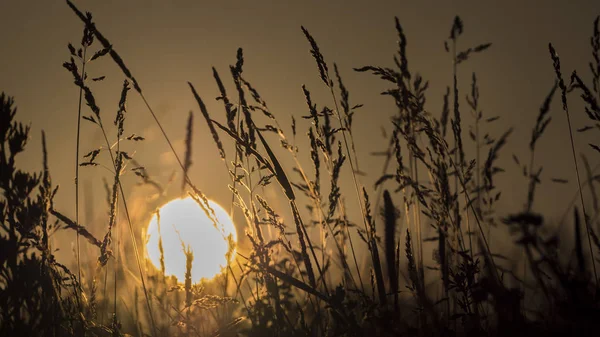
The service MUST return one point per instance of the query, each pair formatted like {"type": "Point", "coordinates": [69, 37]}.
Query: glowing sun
{"type": "Point", "coordinates": [183, 220]}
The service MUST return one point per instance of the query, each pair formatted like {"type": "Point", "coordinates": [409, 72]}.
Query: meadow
{"type": "Point", "coordinates": [432, 265]}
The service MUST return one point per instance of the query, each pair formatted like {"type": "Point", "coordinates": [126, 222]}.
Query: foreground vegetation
{"type": "Point", "coordinates": [287, 284]}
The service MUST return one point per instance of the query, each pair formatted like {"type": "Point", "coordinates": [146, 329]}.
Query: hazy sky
{"type": "Point", "coordinates": [166, 43]}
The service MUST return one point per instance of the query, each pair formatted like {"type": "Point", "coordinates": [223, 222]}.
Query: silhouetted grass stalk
{"type": "Point", "coordinates": [563, 88]}
{"type": "Point", "coordinates": [92, 27]}
{"type": "Point", "coordinates": [83, 75]}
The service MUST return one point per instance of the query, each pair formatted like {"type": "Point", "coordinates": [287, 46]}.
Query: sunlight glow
{"type": "Point", "coordinates": [196, 230]}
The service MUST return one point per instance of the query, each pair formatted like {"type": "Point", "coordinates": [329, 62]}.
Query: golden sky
{"type": "Point", "coordinates": [166, 43]}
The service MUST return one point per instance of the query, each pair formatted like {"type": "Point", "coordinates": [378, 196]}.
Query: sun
{"type": "Point", "coordinates": [184, 221]}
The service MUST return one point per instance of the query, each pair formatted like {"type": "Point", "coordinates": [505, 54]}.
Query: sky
{"type": "Point", "coordinates": [167, 43]}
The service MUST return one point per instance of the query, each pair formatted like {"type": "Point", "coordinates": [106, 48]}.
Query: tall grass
{"type": "Point", "coordinates": [301, 275]}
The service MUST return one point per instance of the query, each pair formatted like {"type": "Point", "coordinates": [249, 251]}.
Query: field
{"type": "Point", "coordinates": [325, 250]}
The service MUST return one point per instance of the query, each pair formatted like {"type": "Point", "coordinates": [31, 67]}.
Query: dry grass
{"type": "Point", "coordinates": [286, 283]}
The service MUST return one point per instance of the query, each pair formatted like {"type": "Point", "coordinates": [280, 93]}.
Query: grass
{"type": "Point", "coordinates": [287, 284]}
